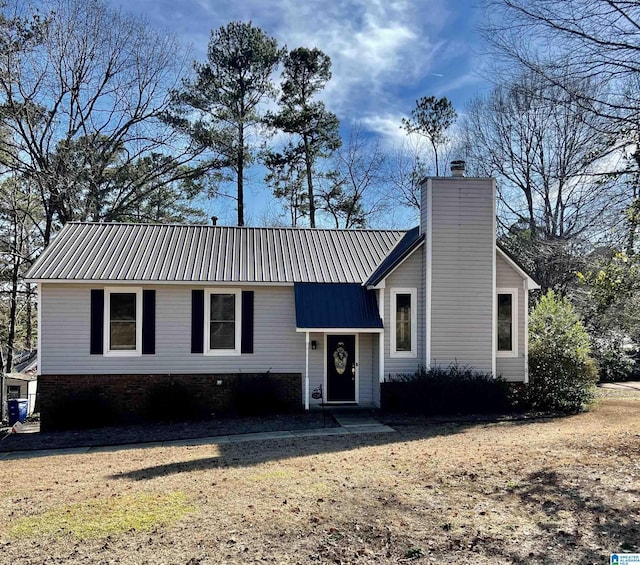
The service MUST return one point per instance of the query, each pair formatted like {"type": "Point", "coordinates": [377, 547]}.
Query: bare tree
{"type": "Point", "coordinates": [87, 94]}
{"type": "Point", "coordinates": [406, 169]}
{"type": "Point", "coordinates": [357, 191]}
{"type": "Point", "coordinates": [570, 42]}
{"type": "Point", "coordinates": [18, 249]}
{"type": "Point", "coordinates": [549, 160]}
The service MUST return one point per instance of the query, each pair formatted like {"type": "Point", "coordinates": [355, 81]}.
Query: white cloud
{"type": "Point", "coordinates": [387, 126]}
{"type": "Point", "coordinates": [385, 53]}
{"type": "Point", "coordinates": [372, 45]}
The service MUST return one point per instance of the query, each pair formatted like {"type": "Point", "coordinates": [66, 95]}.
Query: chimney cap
{"type": "Point", "coordinates": [458, 168]}
{"type": "Point", "coordinates": [214, 220]}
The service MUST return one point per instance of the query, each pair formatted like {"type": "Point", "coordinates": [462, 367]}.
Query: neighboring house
{"type": "Point", "coordinates": [23, 381]}
{"type": "Point", "coordinates": [19, 385]}
{"type": "Point", "coordinates": [125, 306]}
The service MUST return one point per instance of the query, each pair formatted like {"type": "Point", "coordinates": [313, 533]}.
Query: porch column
{"type": "Point", "coordinates": [381, 337]}
{"type": "Point", "coordinates": [381, 357]}
{"type": "Point", "coordinates": [306, 372]}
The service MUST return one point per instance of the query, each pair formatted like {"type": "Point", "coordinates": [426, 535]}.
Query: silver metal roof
{"type": "Point", "coordinates": [181, 253]}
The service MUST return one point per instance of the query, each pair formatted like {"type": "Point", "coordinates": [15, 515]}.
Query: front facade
{"type": "Point", "coordinates": [333, 313]}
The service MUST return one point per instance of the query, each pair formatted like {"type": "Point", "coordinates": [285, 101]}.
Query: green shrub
{"type": "Point", "coordinates": [562, 374]}
{"type": "Point", "coordinates": [615, 362]}
{"type": "Point", "coordinates": [446, 390]}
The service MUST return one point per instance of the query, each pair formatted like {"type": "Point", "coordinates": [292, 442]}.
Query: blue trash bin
{"type": "Point", "coordinates": [17, 410]}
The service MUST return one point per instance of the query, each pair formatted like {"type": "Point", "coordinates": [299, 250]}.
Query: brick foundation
{"type": "Point", "coordinates": [82, 401]}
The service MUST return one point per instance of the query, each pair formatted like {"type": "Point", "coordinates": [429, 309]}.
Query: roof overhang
{"type": "Point", "coordinates": [403, 249]}
{"type": "Point", "coordinates": [327, 307]}
{"type": "Point", "coordinates": [149, 282]}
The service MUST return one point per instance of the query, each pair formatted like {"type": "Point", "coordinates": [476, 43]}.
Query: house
{"type": "Point", "coordinates": [124, 307]}
{"type": "Point", "coordinates": [21, 385]}
{"type": "Point", "coordinates": [22, 382]}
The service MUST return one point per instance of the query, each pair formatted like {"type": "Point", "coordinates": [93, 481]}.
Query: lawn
{"type": "Point", "coordinates": [561, 490]}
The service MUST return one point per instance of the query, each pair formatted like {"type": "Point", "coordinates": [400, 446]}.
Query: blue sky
{"type": "Point", "coordinates": [385, 53]}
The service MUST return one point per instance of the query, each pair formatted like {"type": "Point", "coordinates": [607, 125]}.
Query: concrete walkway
{"type": "Point", "coordinates": [351, 425]}
{"type": "Point", "coordinates": [628, 385]}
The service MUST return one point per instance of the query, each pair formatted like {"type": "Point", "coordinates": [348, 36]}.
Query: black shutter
{"type": "Point", "coordinates": [148, 322]}
{"type": "Point", "coordinates": [197, 321]}
{"type": "Point", "coordinates": [247, 322]}
{"type": "Point", "coordinates": [97, 321]}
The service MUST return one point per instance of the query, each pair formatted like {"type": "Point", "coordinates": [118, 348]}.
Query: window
{"type": "Point", "coordinates": [222, 322]}
{"type": "Point", "coordinates": [507, 323]}
{"type": "Point", "coordinates": [403, 322]}
{"type": "Point", "coordinates": [13, 391]}
{"type": "Point", "coordinates": [123, 321]}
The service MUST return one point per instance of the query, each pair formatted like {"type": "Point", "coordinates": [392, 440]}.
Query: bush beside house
{"type": "Point", "coordinates": [562, 375]}
{"type": "Point", "coordinates": [446, 391]}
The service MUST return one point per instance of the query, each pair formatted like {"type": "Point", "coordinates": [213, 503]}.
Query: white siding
{"type": "Point", "coordinates": [316, 365]}
{"type": "Point", "coordinates": [375, 377]}
{"type": "Point", "coordinates": [66, 326]}
{"type": "Point", "coordinates": [365, 369]}
{"type": "Point", "coordinates": [277, 345]}
{"type": "Point", "coordinates": [512, 368]}
{"type": "Point", "coordinates": [462, 267]}
{"type": "Point", "coordinates": [409, 274]}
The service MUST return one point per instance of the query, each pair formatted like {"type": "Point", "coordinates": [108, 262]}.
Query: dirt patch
{"type": "Point", "coordinates": [561, 490]}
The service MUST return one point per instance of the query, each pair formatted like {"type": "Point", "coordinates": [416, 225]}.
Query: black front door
{"type": "Point", "coordinates": [341, 368]}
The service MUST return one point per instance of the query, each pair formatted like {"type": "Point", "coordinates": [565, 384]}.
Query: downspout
{"type": "Point", "coordinates": [39, 325]}
{"type": "Point", "coordinates": [306, 372]}
{"type": "Point", "coordinates": [428, 269]}
{"type": "Point", "coordinates": [381, 337]}
{"type": "Point", "coordinates": [494, 296]}
{"type": "Point", "coordinates": [525, 285]}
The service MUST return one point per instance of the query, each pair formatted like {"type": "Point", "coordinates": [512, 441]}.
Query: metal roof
{"type": "Point", "coordinates": [180, 253]}
{"type": "Point", "coordinates": [405, 246]}
{"type": "Point", "coordinates": [335, 306]}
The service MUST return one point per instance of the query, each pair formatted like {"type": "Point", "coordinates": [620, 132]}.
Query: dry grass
{"type": "Point", "coordinates": [551, 491]}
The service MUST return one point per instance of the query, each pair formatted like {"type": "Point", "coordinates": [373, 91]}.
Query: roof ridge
{"type": "Point", "coordinates": [289, 228]}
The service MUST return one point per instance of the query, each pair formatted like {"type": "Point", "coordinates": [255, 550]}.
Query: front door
{"type": "Point", "coordinates": [341, 368]}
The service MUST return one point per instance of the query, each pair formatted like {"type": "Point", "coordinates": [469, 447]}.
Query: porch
{"type": "Point", "coordinates": [343, 344]}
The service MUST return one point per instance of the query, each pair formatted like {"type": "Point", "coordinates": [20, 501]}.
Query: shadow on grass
{"type": "Point", "coordinates": [250, 453]}
{"type": "Point", "coordinates": [156, 471]}
{"type": "Point", "coordinates": [603, 520]}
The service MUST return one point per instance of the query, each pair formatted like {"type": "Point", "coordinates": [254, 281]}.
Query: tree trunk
{"type": "Point", "coordinates": [4, 408]}
{"type": "Point", "coordinates": [28, 322]}
{"type": "Point", "coordinates": [307, 161]}
{"type": "Point", "coordinates": [634, 210]}
{"type": "Point", "coordinates": [240, 167]}
{"type": "Point", "coordinates": [435, 155]}
{"type": "Point", "coordinates": [13, 309]}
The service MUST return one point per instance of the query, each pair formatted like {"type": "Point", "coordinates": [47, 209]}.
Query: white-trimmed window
{"type": "Point", "coordinates": [222, 321]}
{"type": "Point", "coordinates": [507, 322]}
{"type": "Point", "coordinates": [404, 322]}
{"type": "Point", "coordinates": [122, 321]}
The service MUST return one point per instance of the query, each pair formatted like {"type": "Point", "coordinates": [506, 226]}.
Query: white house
{"type": "Point", "coordinates": [123, 306]}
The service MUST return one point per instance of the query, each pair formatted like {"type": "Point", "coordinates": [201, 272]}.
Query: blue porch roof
{"type": "Point", "coordinates": [338, 305]}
